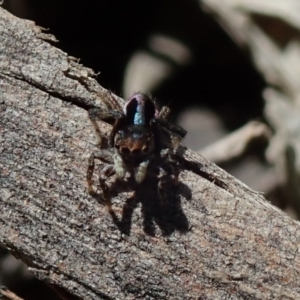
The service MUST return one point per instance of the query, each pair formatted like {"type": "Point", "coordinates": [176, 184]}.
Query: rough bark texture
{"type": "Point", "coordinates": [214, 239]}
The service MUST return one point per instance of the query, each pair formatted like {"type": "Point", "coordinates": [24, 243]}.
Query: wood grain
{"type": "Point", "coordinates": [214, 239]}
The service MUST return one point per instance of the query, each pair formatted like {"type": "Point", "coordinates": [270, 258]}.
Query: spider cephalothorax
{"type": "Point", "coordinates": [140, 137]}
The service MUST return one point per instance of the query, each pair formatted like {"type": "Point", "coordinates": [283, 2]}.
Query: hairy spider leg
{"type": "Point", "coordinates": [162, 129]}
{"type": "Point", "coordinates": [114, 103]}
{"type": "Point", "coordinates": [170, 166]}
{"type": "Point", "coordinates": [164, 112]}
{"type": "Point", "coordinates": [141, 171]}
{"type": "Point", "coordinates": [112, 117]}
{"type": "Point", "coordinates": [119, 166]}
{"type": "Point", "coordinates": [172, 127]}
{"type": "Point", "coordinates": [102, 155]}
{"type": "Point", "coordinates": [106, 172]}
{"type": "Point", "coordinates": [162, 119]}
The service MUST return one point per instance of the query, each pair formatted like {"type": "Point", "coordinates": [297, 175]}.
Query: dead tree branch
{"type": "Point", "coordinates": [270, 30]}
{"type": "Point", "coordinates": [238, 143]}
{"type": "Point", "coordinates": [8, 295]}
{"type": "Point", "coordinates": [225, 241]}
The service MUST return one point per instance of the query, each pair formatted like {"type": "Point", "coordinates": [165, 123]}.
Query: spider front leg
{"type": "Point", "coordinates": [112, 117]}
{"type": "Point", "coordinates": [141, 171]}
{"type": "Point", "coordinates": [174, 169]}
{"type": "Point", "coordinates": [102, 155]}
{"type": "Point", "coordinates": [170, 166]}
{"type": "Point", "coordinates": [106, 172]}
{"type": "Point", "coordinates": [164, 112]}
{"type": "Point", "coordinates": [173, 128]}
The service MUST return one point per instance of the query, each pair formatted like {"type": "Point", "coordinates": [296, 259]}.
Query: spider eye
{"type": "Point", "coordinates": [125, 150]}
{"type": "Point", "coordinates": [117, 146]}
{"type": "Point", "coordinates": [135, 151]}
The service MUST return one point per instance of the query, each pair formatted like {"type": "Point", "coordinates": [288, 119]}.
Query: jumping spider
{"type": "Point", "coordinates": [142, 141]}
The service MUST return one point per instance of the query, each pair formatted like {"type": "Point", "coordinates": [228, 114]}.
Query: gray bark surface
{"type": "Point", "coordinates": [215, 239]}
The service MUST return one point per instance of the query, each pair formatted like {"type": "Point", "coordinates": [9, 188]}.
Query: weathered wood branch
{"type": "Point", "coordinates": [236, 144]}
{"type": "Point", "coordinates": [270, 30]}
{"type": "Point", "coordinates": [225, 241]}
{"type": "Point", "coordinates": [8, 295]}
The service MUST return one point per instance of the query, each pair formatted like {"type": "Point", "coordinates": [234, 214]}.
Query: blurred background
{"type": "Point", "coordinates": [229, 70]}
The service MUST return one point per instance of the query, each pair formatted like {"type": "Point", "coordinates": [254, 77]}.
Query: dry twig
{"type": "Point", "coordinates": [270, 30]}
{"type": "Point", "coordinates": [8, 295]}
{"type": "Point", "coordinates": [236, 144]}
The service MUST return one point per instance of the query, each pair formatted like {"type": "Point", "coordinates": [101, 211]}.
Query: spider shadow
{"type": "Point", "coordinates": [167, 213]}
